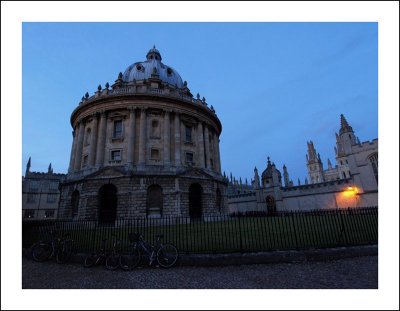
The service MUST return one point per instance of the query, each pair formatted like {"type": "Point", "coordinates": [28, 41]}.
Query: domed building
{"type": "Point", "coordinates": [144, 147]}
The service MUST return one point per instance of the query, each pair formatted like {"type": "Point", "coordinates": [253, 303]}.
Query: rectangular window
{"type": "Point", "coordinates": [49, 213]}
{"type": "Point", "coordinates": [155, 154]}
{"type": "Point", "coordinates": [189, 157]}
{"type": "Point", "coordinates": [31, 198]}
{"type": "Point", "coordinates": [52, 198]}
{"type": "Point", "coordinates": [188, 134]}
{"type": "Point", "coordinates": [29, 213]}
{"type": "Point", "coordinates": [34, 185]}
{"type": "Point", "coordinates": [115, 155]}
{"type": "Point", "coordinates": [53, 185]}
{"type": "Point", "coordinates": [117, 129]}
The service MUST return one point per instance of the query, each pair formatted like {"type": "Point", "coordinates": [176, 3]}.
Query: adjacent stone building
{"type": "Point", "coordinates": [40, 194]}
{"type": "Point", "coordinates": [144, 147]}
{"type": "Point", "coordinates": [353, 182]}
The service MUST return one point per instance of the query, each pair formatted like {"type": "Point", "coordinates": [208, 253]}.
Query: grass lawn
{"type": "Point", "coordinates": [226, 234]}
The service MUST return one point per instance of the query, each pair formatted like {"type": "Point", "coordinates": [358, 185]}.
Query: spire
{"type": "Point", "coordinates": [50, 169]}
{"type": "Point", "coordinates": [298, 181]}
{"type": "Point", "coordinates": [329, 164]}
{"type": "Point", "coordinates": [344, 126]}
{"type": "Point", "coordinates": [306, 181]}
{"type": "Point", "coordinates": [286, 176]}
{"type": "Point", "coordinates": [28, 166]}
{"type": "Point", "coordinates": [358, 141]}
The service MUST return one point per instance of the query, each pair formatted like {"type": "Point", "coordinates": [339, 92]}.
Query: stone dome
{"type": "Point", "coordinates": [152, 67]}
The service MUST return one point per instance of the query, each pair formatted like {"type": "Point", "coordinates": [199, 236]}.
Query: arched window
{"type": "Point", "coordinates": [75, 203]}
{"type": "Point", "coordinates": [373, 159]}
{"type": "Point", "coordinates": [108, 200]}
{"type": "Point", "coordinates": [154, 201]}
{"type": "Point", "coordinates": [87, 136]}
{"type": "Point", "coordinates": [155, 129]}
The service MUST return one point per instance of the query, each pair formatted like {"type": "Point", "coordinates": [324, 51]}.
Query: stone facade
{"type": "Point", "coordinates": [145, 137]}
{"type": "Point", "coordinates": [40, 194]}
{"type": "Point", "coordinates": [353, 182]}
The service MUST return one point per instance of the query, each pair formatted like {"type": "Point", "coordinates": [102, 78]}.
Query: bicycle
{"type": "Point", "coordinates": [166, 254]}
{"type": "Point", "coordinates": [60, 248]}
{"type": "Point", "coordinates": [112, 260]}
{"type": "Point", "coordinates": [96, 257]}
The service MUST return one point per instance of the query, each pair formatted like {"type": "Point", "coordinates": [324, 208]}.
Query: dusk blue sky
{"type": "Point", "coordinates": [274, 86]}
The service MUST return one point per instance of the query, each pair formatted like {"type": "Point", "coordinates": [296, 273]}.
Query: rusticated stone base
{"type": "Point", "coordinates": [132, 194]}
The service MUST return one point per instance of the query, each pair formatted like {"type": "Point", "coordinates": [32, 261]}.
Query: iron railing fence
{"type": "Point", "coordinates": [224, 233]}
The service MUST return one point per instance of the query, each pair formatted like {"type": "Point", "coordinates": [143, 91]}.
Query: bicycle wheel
{"type": "Point", "coordinates": [41, 251]}
{"type": "Point", "coordinates": [129, 258]}
{"type": "Point", "coordinates": [91, 260]}
{"type": "Point", "coordinates": [112, 262]}
{"type": "Point", "coordinates": [167, 255]}
{"type": "Point", "coordinates": [64, 253]}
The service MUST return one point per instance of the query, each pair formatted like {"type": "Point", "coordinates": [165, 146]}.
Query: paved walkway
{"type": "Point", "coordinates": [358, 272]}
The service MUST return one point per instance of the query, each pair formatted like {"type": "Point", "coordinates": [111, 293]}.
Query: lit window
{"type": "Point", "coordinates": [188, 132]}
{"type": "Point", "coordinates": [115, 155]}
{"type": "Point", "coordinates": [29, 213]}
{"type": "Point", "coordinates": [117, 129]}
{"type": "Point", "coordinates": [49, 214]}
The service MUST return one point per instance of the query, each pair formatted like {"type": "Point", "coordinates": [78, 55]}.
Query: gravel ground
{"type": "Point", "coordinates": [357, 273]}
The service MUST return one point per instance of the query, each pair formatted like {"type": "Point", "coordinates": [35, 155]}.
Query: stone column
{"type": "Point", "coordinates": [177, 137]}
{"type": "Point", "coordinates": [73, 149]}
{"type": "Point", "coordinates": [207, 142]}
{"type": "Point", "coordinates": [142, 138]}
{"type": "Point", "coordinates": [218, 159]}
{"type": "Point", "coordinates": [108, 134]}
{"type": "Point", "coordinates": [101, 140]}
{"type": "Point", "coordinates": [131, 136]}
{"type": "Point", "coordinates": [93, 142]}
{"type": "Point", "coordinates": [216, 153]}
{"type": "Point", "coordinates": [200, 145]}
{"type": "Point", "coordinates": [79, 147]}
{"type": "Point", "coordinates": [167, 139]}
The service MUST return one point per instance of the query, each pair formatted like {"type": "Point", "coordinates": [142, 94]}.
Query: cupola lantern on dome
{"type": "Point", "coordinates": [154, 54]}
{"type": "Point", "coordinates": [140, 71]}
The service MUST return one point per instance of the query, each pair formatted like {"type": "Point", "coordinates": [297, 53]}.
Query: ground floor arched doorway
{"type": "Point", "coordinates": [107, 204]}
{"type": "Point", "coordinates": [195, 202]}
{"type": "Point", "coordinates": [271, 205]}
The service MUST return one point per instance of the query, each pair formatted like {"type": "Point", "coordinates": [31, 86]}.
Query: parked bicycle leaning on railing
{"type": "Point", "coordinates": [166, 254]}
{"type": "Point", "coordinates": [59, 247]}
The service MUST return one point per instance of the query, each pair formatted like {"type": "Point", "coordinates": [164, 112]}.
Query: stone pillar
{"type": "Point", "coordinates": [215, 155]}
{"type": "Point", "coordinates": [79, 147]}
{"type": "Point", "coordinates": [101, 140]}
{"type": "Point", "coordinates": [73, 149]}
{"type": "Point", "coordinates": [108, 134]}
{"type": "Point", "coordinates": [167, 139]}
{"type": "Point", "coordinates": [200, 145]}
{"type": "Point", "coordinates": [142, 138]}
{"type": "Point", "coordinates": [207, 142]}
{"type": "Point", "coordinates": [93, 142]}
{"type": "Point", "coordinates": [177, 137]}
{"type": "Point", "coordinates": [218, 159]}
{"type": "Point", "coordinates": [131, 136]}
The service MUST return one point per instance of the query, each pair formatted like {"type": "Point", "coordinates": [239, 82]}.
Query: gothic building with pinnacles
{"type": "Point", "coordinates": [353, 182]}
